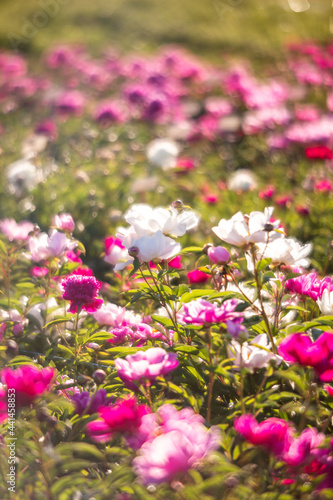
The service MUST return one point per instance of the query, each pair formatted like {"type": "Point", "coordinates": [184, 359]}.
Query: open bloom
{"type": "Point", "coordinates": [43, 246]}
{"type": "Point", "coordinates": [82, 292]}
{"type": "Point", "coordinates": [241, 230]}
{"type": "Point", "coordinates": [200, 311]}
{"type": "Point", "coordinates": [252, 355]}
{"type": "Point", "coordinates": [299, 348]}
{"type": "Point", "coordinates": [273, 434]}
{"type": "Point", "coordinates": [304, 448]}
{"type": "Point", "coordinates": [325, 303]}
{"type": "Point", "coordinates": [116, 316]}
{"type": "Point", "coordinates": [309, 285]}
{"type": "Point", "coordinates": [163, 153]}
{"type": "Point", "coordinates": [114, 251]}
{"type": "Point", "coordinates": [123, 417]}
{"type": "Point", "coordinates": [29, 382]}
{"type": "Point", "coordinates": [86, 403]}
{"type": "Point", "coordinates": [16, 231]}
{"type": "Point", "coordinates": [286, 251]}
{"type": "Point", "coordinates": [146, 365]}
{"type": "Point", "coordinates": [173, 442]}
{"type": "Point", "coordinates": [147, 220]}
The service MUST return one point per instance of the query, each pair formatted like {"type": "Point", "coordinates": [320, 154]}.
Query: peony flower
{"type": "Point", "coordinates": [252, 355]}
{"type": "Point", "coordinates": [16, 231]}
{"type": "Point", "coordinates": [241, 230]}
{"type": "Point", "coordinates": [29, 382]}
{"type": "Point", "coordinates": [116, 316]}
{"type": "Point", "coordinates": [82, 293]}
{"type": "Point", "coordinates": [162, 152]}
{"type": "Point", "coordinates": [299, 348]}
{"type": "Point", "coordinates": [309, 285]}
{"type": "Point", "coordinates": [201, 312]}
{"type": "Point", "coordinates": [325, 302]}
{"type": "Point", "coordinates": [147, 220]}
{"type": "Point", "coordinates": [242, 180]}
{"type": "Point", "coordinates": [273, 434]}
{"type": "Point", "coordinates": [115, 251]}
{"type": "Point", "coordinates": [197, 276]}
{"type": "Point", "coordinates": [22, 175]}
{"type": "Point", "coordinates": [64, 222]}
{"type": "Point", "coordinates": [123, 417]}
{"type": "Point", "coordinates": [88, 404]}
{"type": "Point", "coordinates": [43, 247]}
{"type": "Point", "coordinates": [145, 365]}
{"type": "Point", "coordinates": [304, 448]}
{"type": "Point", "coordinates": [155, 247]}
{"type": "Point", "coordinates": [178, 443]}
{"type": "Point", "coordinates": [109, 113]}
{"type": "Point", "coordinates": [283, 251]}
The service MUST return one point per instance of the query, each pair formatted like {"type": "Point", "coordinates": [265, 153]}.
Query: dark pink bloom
{"type": "Point", "coordinates": [267, 193]}
{"type": "Point", "coordinates": [109, 113]}
{"type": "Point", "coordinates": [303, 210]}
{"type": "Point", "coordinates": [324, 186]}
{"type": "Point", "coordinates": [176, 262]}
{"type": "Point", "coordinates": [299, 348]}
{"type": "Point", "coordinates": [145, 365]}
{"type": "Point", "coordinates": [218, 255]}
{"type": "Point", "coordinates": [197, 276]}
{"type": "Point", "coordinates": [283, 201]}
{"type": "Point", "coordinates": [309, 285]}
{"type": "Point", "coordinates": [89, 404]}
{"type": "Point", "coordinates": [200, 312]}
{"type": "Point", "coordinates": [82, 292]}
{"type": "Point", "coordinates": [70, 103]}
{"type": "Point", "coordinates": [186, 164]}
{"type": "Point", "coordinates": [273, 434]}
{"type": "Point", "coordinates": [28, 381]}
{"type": "Point", "coordinates": [123, 417]}
{"type": "Point", "coordinates": [319, 153]}
{"type": "Point", "coordinates": [304, 448]}
{"type": "Point", "coordinates": [16, 231]}
{"type": "Point", "coordinates": [47, 128]}
{"type": "Point", "coordinates": [74, 256]}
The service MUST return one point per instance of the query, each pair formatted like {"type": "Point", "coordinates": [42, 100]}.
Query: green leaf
{"type": "Point", "coordinates": [187, 349]}
{"type": "Point", "coordinates": [56, 321]}
{"type": "Point", "coordinates": [262, 264]}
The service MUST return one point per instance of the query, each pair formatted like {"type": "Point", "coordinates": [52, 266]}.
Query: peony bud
{"type": "Point", "coordinates": [218, 255]}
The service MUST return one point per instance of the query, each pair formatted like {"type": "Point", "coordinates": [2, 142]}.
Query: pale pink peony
{"type": "Point", "coordinates": [64, 222]}
{"type": "Point", "coordinates": [145, 365]}
{"type": "Point", "coordinates": [16, 231]}
{"type": "Point", "coordinates": [200, 312]}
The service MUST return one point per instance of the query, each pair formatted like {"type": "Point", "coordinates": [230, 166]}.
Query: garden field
{"type": "Point", "coordinates": [166, 250]}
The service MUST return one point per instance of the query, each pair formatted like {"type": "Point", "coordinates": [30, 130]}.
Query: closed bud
{"type": "Point", "coordinates": [82, 380]}
{"type": "Point", "coordinates": [133, 251]}
{"type": "Point", "coordinates": [206, 247]}
{"type": "Point", "coordinates": [99, 376]}
{"type": "Point", "coordinates": [218, 255]}
{"type": "Point", "coordinates": [178, 204]}
{"type": "Point", "coordinates": [12, 348]}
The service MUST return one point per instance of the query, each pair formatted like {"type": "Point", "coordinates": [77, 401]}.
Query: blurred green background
{"type": "Point", "coordinates": [253, 28]}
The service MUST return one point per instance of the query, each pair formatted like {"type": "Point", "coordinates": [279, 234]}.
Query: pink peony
{"type": "Point", "coordinates": [273, 434]}
{"type": "Point", "coordinates": [114, 251]}
{"type": "Point", "coordinates": [299, 348]}
{"type": "Point", "coordinates": [145, 365]}
{"type": "Point", "coordinates": [16, 231]}
{"type": "Point", "coordinates": [28, 381]}
{"type": "Point", "coordinates": [309, 285]}
{"type": "Point", "coordinates": [170, 449]}
{"type": "Point", "coordinates": [82, 292]}
{"type": "Point", "coordinates": [64, 222]}
{"type": "Point", "coordinates": [304, 448]}
{"type": "Point", "coordinates": [197, 276]}
{"type": "Point", "coordinates": [200, 312]}
{"type": "Point", "coordinates": [123, 417]}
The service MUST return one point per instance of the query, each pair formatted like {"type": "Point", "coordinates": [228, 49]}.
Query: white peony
{"type": "Point", "coordinates": [286, 251]}
{"type": "Point", "coordinates": [326, 302]}
{"type": "Point", "coordinates": [163, 153]}
{"type": "Point", "coordinates": [242, 180]}
{"type": "Point", "coordinates": [241, 230]}
{"type": "Point", "coordinates": [252, 355]}
{"type": "Point", "coordinates": [44, 246]}
{"type": "Point", "coordinates": [146, 220]}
